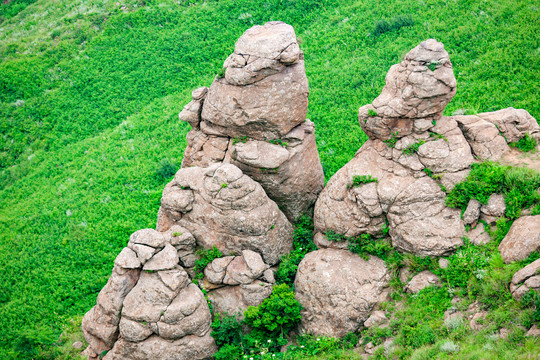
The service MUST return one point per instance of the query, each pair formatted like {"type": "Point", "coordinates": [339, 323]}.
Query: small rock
{"type": "Point", "coordinates": [478, 235]}
{"type": "Point", "coordinates": [495, 206]}
{"type": "Point", "coordinates": [471, 214]}
{"type": "Point", "coordinates": [534, 331]}
{"type": "Point", "coordinates": [422, 280]}
{"type": "Point", "coordinates": [443, 263]}
{"type": "Point", "coordinates": [477, 320]}
{"type": "Point", "coordinates": [77, 345]}
{"type": "Point", "coordinates": [163, 260]}
{"type": "Point", "coordinates": [503, 333]}
{"type": "Point", "coordinates": [377, 318]}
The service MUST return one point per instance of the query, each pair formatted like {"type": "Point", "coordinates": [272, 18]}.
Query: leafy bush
{"type": "Point", "coordinates": [206, 256]}
{"type": "Point", "coordinates": [518, 185]}
{"type": "Point", "coordinates": [392, 141]}
{"type": "Point", "coordinates": [302, 244]}
{"type": "Point", "coordinates": [396, 23]}
{"type": "Point", "coordinates": [413, 148]}
{"type": "Point", "coordinates": [525, 144]}
{"type": "Point", "coordinates": [165, 169]}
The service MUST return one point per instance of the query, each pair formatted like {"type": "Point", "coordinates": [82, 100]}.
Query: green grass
{"type": "Point", "coordinates": [89, 97]}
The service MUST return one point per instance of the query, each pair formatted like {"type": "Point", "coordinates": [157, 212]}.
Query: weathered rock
{"type": "Point", "coordinates": [478, 235]}
{"type": "Point", "coordinates": [376, 318]}
{"type": "Point", "coordinates": [495, 206]}
{"type": "Point", "coordinates": [236, 299]}
{"type": "Point", "coordinates": [477, 321]}
{"type": "Point", "coordinates": [472, 213]}
{"type": "Point", "coordinates": [244, 269]}
{"type": "Point", "coordinates": [443, 263]}
{"type": "Point", "coordinates": [164, 260]}
{"type": "Point", "coordinates": [264, 93]}
{"type": "Point", "coordinates": [157, 348]}
{"type": "Point", "coordinates": [338, 290]}
{"type": "Point", "coordinates": [533, 331]}
{"type": "Point", "coordinates": [522, 239]}
{"type": "Point", "coordinates": [513, 123]}
{"type": "Point", "coordinates": [483, 137]}
{"type": "Point", "coordinates": [222, 207]}
{"type": "Point", "coordinates": [127, 259]}
{"type": "Point", "coordinates": [192, 111]}
{"type": "Point", "coordinates": [526, 279]}
{"type": "Point", "coordinates": [422, 280]}
{"type": "Point", "coordinates": [290, 174]}
{"type": "Point", "coordinates": [416, 92]}
{"type": "Point", "coordinates": [204, 150]}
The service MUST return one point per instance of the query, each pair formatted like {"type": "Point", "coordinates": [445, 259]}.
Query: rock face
{"type": "Point", "coordinates": [149, 308]}
{"type": "Point", "coordinates": [483, 136]}
{"type": "Point", "coordinates": [522, 239]}
{"type": "Point", "coordinates": [338, 290]}
{"type": "Point", "coordinates": [410, 146]}
{"type": "Point", "coordinates": [422, 280]}
{"type": "Point", "coordinates": [513, 123]}
{"type": "Point", "coordinates": [255, 118]}
{"type": "Point", "coordinates": [224, 208]}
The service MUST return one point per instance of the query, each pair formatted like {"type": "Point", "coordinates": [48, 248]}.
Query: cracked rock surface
{"type": "Point", "coordinates": [225, 208]}
{"type": "Point", "coordinates": [522, 239]}
{"type": "Point", "coordinates": [338, 290]}
{"type": "Point", "coordinates": [149, 308]}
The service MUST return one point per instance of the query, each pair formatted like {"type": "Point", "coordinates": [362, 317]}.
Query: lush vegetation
{"type": "Point", "coordinates": [89, 96]}
{"type": "Point", "coordinates": [361, 180]}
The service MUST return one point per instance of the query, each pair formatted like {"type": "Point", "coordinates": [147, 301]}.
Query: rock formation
{"type": "Point", "coordinates": [338, 290]}
{"type": "Point", "coordinates": [149, 308]}
{"type": "Point", "coordinates": [255, 118]}
{"type": "Point", "coordinates": [251, 167]}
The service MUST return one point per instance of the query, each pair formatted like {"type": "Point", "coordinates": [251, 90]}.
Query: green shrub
{"type": "Point", "coordinates": [525, 144]}
{"type": "Point", "coordinates": [372, 113]}
{"type": "Point", "coordinates": [413, 148]}
{"type": "Point", "coordinates": [392, 141]}
{"type": "Point", "coordinates": [165, 169]}
{"type": "Point", "coordinates": [396, 23]}
{"type": "Point", "coordinates": [206, 256]}
{"type": "Point", "coordinates": [278, 142]}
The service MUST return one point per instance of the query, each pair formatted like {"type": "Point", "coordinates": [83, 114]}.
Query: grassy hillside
{"type": "Point", "coordinates": [89, 97]}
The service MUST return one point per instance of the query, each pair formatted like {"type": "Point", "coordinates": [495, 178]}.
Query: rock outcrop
{"type": "Point", "coordinates": [522, 239]}
{"type": "Point", "coordinates": [225, 208]}
{"type": "Point", "coordinates": [255, 118]}
{"type": "Point", "coordinates": [513, 123]}
{"type": "Point", "coordinates": [338, 290]}
{"type": "Point", "coordinates": [409, 140]}
{"type": "Point", "coordinates": [149, 308]}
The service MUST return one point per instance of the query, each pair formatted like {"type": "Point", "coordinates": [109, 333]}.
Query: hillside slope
{"type": "Point", "coordinates": [89, 96]}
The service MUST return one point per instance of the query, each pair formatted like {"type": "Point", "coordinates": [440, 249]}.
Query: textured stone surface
{"type": "Point", "coordinates": [422, 280]}
{"type": "Point", "coordinates": [222, 207]}
{"type": "Point", "coordinates": [236, 299]}
{"type": "Point", "coordinates": [414, 94]}
{"type": "Point", "coordinates": [291, 175]}
{"type": "Point", "coordinates": [522, 239]}
{"type": "Point", "coordinates": [483, 137]}
{"type": "Point", "coordinates": [526, 279]}
{"type": "Point", "coordinates": [495, 206]}
{"type": "Point", "coordinates": [264, 93]}
{"type": "Point", "coordinates": [472, 213]}
{"type": "Point", "coordinates": [513, 123]}
{"type": "Point", "coordinates": [478, 235]}
{"type": "Point", "coordinates": [338, 290]}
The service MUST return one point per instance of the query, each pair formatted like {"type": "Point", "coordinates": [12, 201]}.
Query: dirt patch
{"type": "Point", "coordinates": [515, 157]}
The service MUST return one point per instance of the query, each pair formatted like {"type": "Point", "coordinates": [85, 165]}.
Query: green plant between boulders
{"type": "Point", "coordinates": [413, 148]}
{"type": "Point", "coordinates": [206, 256]}
{"type": "Point", "coordinates": [525, 144]}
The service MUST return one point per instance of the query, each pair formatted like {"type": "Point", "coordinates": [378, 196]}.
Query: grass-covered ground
{"type": "Point", "coordinates": [89, 96]}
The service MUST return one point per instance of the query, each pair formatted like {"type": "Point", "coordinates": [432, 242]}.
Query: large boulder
{"type": "Point", "coordinates": [513, 123]}
{"type": "Point", "coordinates": [264, 93]}
{"type": "Point", "coordinates": [338, 290]}
{"type": "Point", "coordinates": [525, 280]}
{"type": "Point", "coordinates": [224, 208]}
{"type": "Point", "coordinates": [290, 170]}
{"type": "Point", "coordinates": [522, 239]}
{"type": "Point", "coordinates": [149, 302]}
{"type": "Point", "coordinates": [483, 136]}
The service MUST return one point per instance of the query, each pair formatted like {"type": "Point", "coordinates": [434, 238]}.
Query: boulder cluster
{"type": "Point", "coordinates": [251, 169]}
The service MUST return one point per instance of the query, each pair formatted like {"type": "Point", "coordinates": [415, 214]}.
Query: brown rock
{"type": "Point", "coordinates": [192, 111]}
{"type": "Point", "coordinates": [522, 239]}
{"type": "Point", "coordinates": [414, 94]}
{"type": "Point", "coordinates": [422, 280]}
{"type": "Point", "coordinates": [264, 93]}
{"type": "Point", "coordinates": [204, 150]}
{"type": "Point", "coordinates": [525, 273]}
{"type": "Point", "coordinates": [478, 235]}
{"type": "Point", "coordinates": [495, 206]}
{"type": "Point", "coordinates": [291, 175]}
{"type": "Point", "coordinates": [483, 137]}
{"type": "Point", "coordinates": [472, 213]}
{"type": "Point", "coordinates": [236, 299]}
{"type": "Point", "coordinates": [226, 209]}
{"type": "Point", "coordinates": [533, 331]}
{"type": "Point", "coordinates": [513, 123]}
{"type": "Point", "coordinates": [338, 290]}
